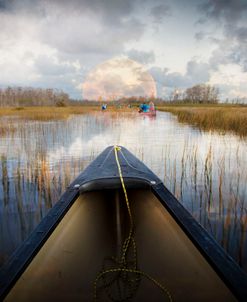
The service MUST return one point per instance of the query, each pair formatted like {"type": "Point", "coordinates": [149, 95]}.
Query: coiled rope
{"type": "Point", "coordinates": [122, 279]}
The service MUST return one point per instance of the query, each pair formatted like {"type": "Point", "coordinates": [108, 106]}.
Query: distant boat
{"type": "Point", "coordinates": [148, 110]}
{"type": "Point", "coordinates": [149, 113]}
{"type": "Point", "coordinates": [118, 234]}
{"type": "Point", "coordinates": [104, 107]}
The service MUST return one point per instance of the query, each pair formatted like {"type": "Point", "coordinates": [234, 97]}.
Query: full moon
{"type": "Point", "coordinates": [116, 78]}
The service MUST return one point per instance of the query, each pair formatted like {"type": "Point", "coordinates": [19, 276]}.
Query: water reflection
{"type": "Point", "coordinates": [206, 171]}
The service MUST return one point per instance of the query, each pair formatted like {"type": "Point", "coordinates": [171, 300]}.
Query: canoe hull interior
{"type": "Point", "coordinates": [95, 228]}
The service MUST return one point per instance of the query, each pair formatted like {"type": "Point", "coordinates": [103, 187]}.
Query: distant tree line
{"type": "Point", "coordinates": [28, 96]}
{"type": "Point", "coordinates": [19, 96]}
{"type": "Point", "coordinates": [237, 101]}
{"type": "Point", "coordinates": [200, 93]}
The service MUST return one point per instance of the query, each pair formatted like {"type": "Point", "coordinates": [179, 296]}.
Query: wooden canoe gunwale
{"type": "Point", "coordinates": [102, 174]}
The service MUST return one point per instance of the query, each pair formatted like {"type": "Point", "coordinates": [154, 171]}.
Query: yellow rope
{"type": "Point", "coordinates": [123, 262]}
{"type": "Point", "coordinates": [116, 150]}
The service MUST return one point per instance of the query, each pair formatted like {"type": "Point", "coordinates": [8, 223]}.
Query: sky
{"type": "Point", "coordinates": [57, 43]}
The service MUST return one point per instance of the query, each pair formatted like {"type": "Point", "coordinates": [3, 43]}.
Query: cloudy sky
{"type": "Point", "coordinates": [56, 43]}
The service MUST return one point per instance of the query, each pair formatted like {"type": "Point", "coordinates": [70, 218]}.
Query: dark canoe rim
{"type": "Point", "coordinates": [102, 174]}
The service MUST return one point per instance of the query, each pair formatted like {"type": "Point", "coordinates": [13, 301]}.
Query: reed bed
{"type": "Point", "coordinates": [46, 113]}
{"type": "Point", "coordinates": [54, 113]}
{"type": "Point", "coordinates": [37, 114]}
{"type": "Point", "coordinates": [214, 192]}
{"type": "Point", "coordinates": [7, 129]}
{"type": "Point", "coordinates": [220, 118]}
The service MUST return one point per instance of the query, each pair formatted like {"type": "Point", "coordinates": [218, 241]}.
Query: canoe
{"type": "Point", "coordinates": [118, 234]}
{"type": "Point", "coordinates": [149, 113]}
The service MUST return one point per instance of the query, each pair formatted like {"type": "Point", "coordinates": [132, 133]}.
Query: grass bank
{"type": "Point", "coordinates": [45, 113]}
{"type": "Point", "coordinates": [7, 126]}
{"type": "Point", "coordinates": [53, 113]}
{"type": "Point", "coordinates": [223, 118]}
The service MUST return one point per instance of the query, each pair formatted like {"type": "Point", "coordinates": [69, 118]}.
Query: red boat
{"type": "Point", "coordinates": [148, 110]}
{"type": "Point", "coordinates": [148, 113]}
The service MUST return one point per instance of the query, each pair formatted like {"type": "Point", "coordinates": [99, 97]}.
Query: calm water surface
{"type": "Point", "coordinates": [206, 171]}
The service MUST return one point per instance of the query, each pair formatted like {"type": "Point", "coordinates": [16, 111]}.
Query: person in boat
{"type": "Point", "coordinates": [104, 106]}
{"type": "Point", "coordinates": [151, 106]}
{"type": "Point", "coordinates": [144, 107]}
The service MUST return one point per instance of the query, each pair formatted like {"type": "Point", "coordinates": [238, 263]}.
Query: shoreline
{"type": "Point", "coordinates": [45, 113]}
{"type": "Point", "coordinates": [217, 117]}
{"type": "Point", "coordinates": [221, 118]}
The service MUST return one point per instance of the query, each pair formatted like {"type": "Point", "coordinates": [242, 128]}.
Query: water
{"type": "Point", "coordinates": [205, 170]}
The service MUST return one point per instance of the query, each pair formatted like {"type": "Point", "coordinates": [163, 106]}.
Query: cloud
{"type": "Point", "coordinates": [56, 43]}
{"type": "Point", "coordinates": [40, 41]}
{"type": "Point", "coordinates": [223, 10]}
{"type": "Point", "coordinates": [199, 36]}
{"type": "Point", "coordinates": [83, 35]}
{"type": "Point", "coordinates": [109, 10]}
{"type": "Point", "coordinates": [63, 75]}
{"type": "Point", "coordinates": [143, 57]}
{"type": "Point", "coordinates": [50, 66]}
{"type": "Point", "coordinates": [230, 16]}
{"type": "Point", "coordinates": [159, 12]}
{"type": "Point", "coordinates": [3, 5]}
{"type": "Point", "coordinates": [17, 7]}
{"type": "Point", "coordinates": [231, 80]}
{"type": "Point", "coordinates": [76, 27]}
{"type": "Point", "coordinates": [196, 72]}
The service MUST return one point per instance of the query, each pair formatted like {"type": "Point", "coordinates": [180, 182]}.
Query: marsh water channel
{"type": "Point", "coordinates": [206, 171]}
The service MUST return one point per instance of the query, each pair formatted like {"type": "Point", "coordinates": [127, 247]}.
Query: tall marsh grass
{"type": "Point", "coordinates": [213, 190]}
{"type": "Point", "coordinates": [223, 119]}
{"type": "Point", "coordinates": [56, 113]}
{"type": "Point", "coordinates": [46, 113]}
{"type": "Point", "coordinates": [49, 114]}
